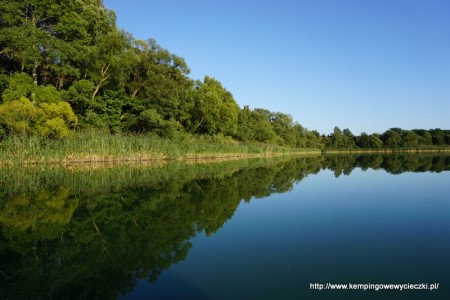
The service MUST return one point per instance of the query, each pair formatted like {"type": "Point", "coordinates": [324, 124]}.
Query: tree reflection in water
{"type": "Point", "coordinates": [83, 233]}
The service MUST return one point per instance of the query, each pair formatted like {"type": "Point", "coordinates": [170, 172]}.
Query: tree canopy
{"type": "Point", "coordinates": [66, 65]}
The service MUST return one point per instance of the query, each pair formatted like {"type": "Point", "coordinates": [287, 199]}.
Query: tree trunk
{"type": "Point", "coordinates": [104, 77]}
{"type": "Point", "coordinates": [35, 81]}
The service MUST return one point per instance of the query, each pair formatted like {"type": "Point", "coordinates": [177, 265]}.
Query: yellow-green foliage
{"type": "Point", "coordinates": [55, 127]}
{"type": "Point", "coordinates": [18, 116]}
{"type": "Point", "coordinates": [47, 115]}
{"type": "Point", "coordinates": [24, 117]}
{"type": "Point", "coordinates": [57, 119]}
{"type": "Point", "coordinates": [20, 85]}
{"type": "Point", "coordinates": [43, 206]}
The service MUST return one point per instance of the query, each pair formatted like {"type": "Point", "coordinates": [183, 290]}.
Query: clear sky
{"type": "Point", "coordinates": [366, 65]}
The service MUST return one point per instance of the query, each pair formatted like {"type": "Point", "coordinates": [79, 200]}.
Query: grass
{"type": "Point", "coordinates": [103, 147]}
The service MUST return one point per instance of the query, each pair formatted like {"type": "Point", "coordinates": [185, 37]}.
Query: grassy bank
{"type": "Point", "coordinates": [104, 147]}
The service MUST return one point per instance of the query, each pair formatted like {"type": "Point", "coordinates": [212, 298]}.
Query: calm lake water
{"type": "Point", "coordinates": [253, 229]}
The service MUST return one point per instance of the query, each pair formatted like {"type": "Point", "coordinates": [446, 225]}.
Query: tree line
{"type": "Point", "coordinates": [391, 138]}
{"type": "Point", "coordinates": [66, 66]}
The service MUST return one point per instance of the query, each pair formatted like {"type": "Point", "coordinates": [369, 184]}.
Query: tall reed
{"type": "Point", "coordinates": [98, 146]}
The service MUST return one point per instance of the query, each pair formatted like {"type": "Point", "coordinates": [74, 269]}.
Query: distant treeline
{"type": "Point", "coordinates": [65, 66]}
{"type": "Point", "coordinates": [392, 138]}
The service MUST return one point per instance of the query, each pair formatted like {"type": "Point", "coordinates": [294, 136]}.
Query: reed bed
{"type": "Point", "coordinates": [103, 147]}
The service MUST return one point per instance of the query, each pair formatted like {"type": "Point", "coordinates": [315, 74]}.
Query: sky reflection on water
{"type": "Point", "coordinates": [369, 227]}
{"type": "Point", "coordinates": [251, 229]}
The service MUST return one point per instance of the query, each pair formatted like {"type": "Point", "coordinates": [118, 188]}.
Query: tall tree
{"type": "Point", "coordinates": [215, 109]}
{"type": "Point", "coordinates": [46, 115]}
{"type": "Point", "coordinates": [48, 40]}
{"type": "Point", "coordinates": [253, 126]}
{"type": "Point", "coordinates": [336, 138]}
{"type": "Point", "coordinates": [348, 139]}
{"type": "Point", "coordinates": [392, 138]}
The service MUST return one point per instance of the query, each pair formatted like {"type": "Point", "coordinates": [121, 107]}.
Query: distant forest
{"type": "Point", "coordinates": [66, 67]}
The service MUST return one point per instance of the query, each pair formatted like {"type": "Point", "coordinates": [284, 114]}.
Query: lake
{"type": "Point", "coordinates": [318, 227]}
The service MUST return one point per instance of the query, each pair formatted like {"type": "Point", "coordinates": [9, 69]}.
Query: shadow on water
{"type": "Point", "coordinates": [170, 287]}
{"type": "Point", "coordinates": [80, 233]}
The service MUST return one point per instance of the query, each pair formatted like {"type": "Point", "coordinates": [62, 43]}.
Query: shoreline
{"type": "Point", "coordinates": [159, 158]}
{"type": "Point", "coordinates": [388, 151]}
{"type": "Point", "coordinates": [155, 158]}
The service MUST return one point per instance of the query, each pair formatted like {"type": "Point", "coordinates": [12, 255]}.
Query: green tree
{"type": "Point", "coordinates": [300, 135]}
{"type": "Point", "coordinates": [215, 110]}
{"type": "Point", "coordinates": [392, 138]}
{"type": "Point", "coordinates": [348, 139]}
{"type": "Point", "coordinates": [314, 140]}
{"type": "Point", "coordinates": [49, 40]}
{"type": "Point", "coordinates": [47, 115]}
{"type": "Point", "coordinates": [150, 120]}
{"type": "Point", "coordinates": [253, 126]}
{"type": "Point", "coordinates": [157, 79]}
{"type": "Point", "coordinates": [410, 138]}
{"type": "Point", "coordinates": [19, 85]}
{"type": "Point", "coordinates": [437, 136]}
{"type": "Point", "coordinates": [104, 59]}
{"type": "Point", "coordinates": [283, 125]}
{"type": "Point", "coordinates": [425, 137]}
{"type": "Point", "coordinates": [337, 140]}
{"type": "Point", "coordinates": [372, 141]}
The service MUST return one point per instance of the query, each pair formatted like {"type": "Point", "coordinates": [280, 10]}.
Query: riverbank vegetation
{"type": "Point", "coordinates": [68, 74]}
{"type": "Point", "coordinates": [93, 147]}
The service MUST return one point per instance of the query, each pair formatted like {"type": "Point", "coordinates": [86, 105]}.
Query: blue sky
{"type": "Point", "coordinates": [366, 65]}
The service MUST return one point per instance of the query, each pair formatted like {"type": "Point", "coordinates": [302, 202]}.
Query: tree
{"type": "Point", "coordinates": [425, 137]}
{"type": "Point", "coordinates": [283, 125]}
{"type": "Point", "coordinates": [437, 136]}
{"type": "Point", "coordinates": [392, 138]}
{"type": "Point", "coordinates": [215, 110]}
{"type": "Point", "coordinates": [50, 40]}
{"type": "Point", "coordinates": [47, 115]}
{"type": "Point", "coordinates": [336, 138]}
{"type": "Point", "coordinates": [369, 141]}
{"type": "Point", "coordinates": [348, 139]}
{"type": "Point", "coordinates": [300, 135]}
{"type": "Point", "coordinates": [104, 58]}
{"type": "Point", "coordinates": [410, 139]}
{"type": "Point", "coordinates": [314, 140]}
{"type": "Point", "coordinates": [285, 129]}
{"type": "Point", "coordinates": [156, 79]}
{"type": "Point", "coordinates": [150, 120]}
{"type": "Point", "coordinates": [253, 126]}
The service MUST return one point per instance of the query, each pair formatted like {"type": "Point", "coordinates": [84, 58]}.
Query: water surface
{"type": "Point", "coordinates": [238, 230]}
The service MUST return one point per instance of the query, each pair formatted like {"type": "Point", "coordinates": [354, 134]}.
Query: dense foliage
{"type": "Point", "coordinates": [392, 138]}
{"type": "Point", "coordinates": [65, 65]}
